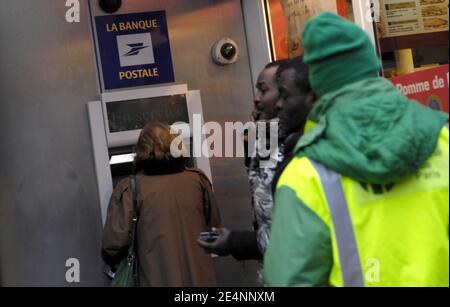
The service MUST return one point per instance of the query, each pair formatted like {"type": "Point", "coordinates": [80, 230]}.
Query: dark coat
{"type": "Point", "coordinates": [171, 217]}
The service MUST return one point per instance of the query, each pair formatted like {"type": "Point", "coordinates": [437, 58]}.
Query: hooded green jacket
{"type": "Point", "coordinates": [366, 131]}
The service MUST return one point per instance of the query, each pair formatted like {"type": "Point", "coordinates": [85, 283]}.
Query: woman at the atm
{"type": "Point", "coordinates": [173, 205]}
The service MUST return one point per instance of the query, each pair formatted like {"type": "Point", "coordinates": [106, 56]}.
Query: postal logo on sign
{"type": "Point", "coordinates": [135, 49]}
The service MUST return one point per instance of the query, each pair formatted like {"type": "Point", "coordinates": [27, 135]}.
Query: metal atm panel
{"type": "Point", "coordinates": [117, 120]}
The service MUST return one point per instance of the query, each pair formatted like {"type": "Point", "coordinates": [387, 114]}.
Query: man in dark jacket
{"type": "Point", "coordinates": [246, 245]}
{"type": "Point", "coordinates": [292, 107]}
{"type": "Point", "coordinates": [295, 101]}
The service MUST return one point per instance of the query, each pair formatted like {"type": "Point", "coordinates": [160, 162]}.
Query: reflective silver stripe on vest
{"type": "Point", "coordinates": [446, 125]}
{"type": "Point", "coordinates": [343, 227]}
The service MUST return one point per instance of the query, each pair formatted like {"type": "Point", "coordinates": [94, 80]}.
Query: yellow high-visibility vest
{"type": "Point", "coordinates": [394, 235]}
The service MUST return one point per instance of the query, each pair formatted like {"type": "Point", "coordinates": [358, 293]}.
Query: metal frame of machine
{"type": "Point", "coordinates": [103, 139]}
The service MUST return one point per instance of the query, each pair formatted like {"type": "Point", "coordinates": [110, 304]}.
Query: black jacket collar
{"type": "Point", "coordinates": [163, 167]}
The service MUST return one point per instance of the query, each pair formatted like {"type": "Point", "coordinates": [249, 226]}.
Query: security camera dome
{"type": "Point", "coordinates": [225, 51]}
{"type": "Point", "coordinates": [110, 6]}
{"type": "Point", "coordinates": [228, 51]}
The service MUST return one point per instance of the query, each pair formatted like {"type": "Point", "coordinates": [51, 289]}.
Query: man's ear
{"type": "Point", "coordinates": [311, 98]}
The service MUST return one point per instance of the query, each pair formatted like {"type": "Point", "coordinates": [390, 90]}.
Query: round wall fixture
{"type": "Point", "coordinates": [225, 52]}
{"type": "Point", "coordinates": [110, 6]}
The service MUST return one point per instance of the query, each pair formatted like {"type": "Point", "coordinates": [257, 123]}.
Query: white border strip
{"type": "Point", "coordinates": [257, 36]}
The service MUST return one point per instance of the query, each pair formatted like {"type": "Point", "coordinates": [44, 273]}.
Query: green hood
{"type": "Point", "coordinates": [371, 133]}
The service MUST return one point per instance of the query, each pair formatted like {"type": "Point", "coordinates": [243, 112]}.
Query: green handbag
{"type": "Point", "coordinates": [127, 272]}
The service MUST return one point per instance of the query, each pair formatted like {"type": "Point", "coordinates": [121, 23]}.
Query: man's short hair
{"type": "Point", "coordinates": [275, 64]}
{"type": "Point", "coordinates": [301, 72]}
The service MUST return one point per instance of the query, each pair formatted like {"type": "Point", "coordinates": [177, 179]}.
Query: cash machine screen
{"type": "Point", "coordinates": [135, 114]}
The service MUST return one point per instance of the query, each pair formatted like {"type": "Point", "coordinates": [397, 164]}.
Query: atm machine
{"type": "Point", "coordinates": [117, 119]}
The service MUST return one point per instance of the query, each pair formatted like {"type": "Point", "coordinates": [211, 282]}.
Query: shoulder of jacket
{"type": "Point", "coordinates": [299, 174]}
{"type": "Point", "coordinates": [199, 172]}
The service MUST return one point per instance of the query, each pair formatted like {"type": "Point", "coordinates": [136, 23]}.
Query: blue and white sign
{"type": "Point", "coordinates": [134, 49]}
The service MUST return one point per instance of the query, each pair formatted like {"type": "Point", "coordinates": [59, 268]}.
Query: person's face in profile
{"type": "Point", "coordinates": [266, 95]}
{"type": "Point", "coordinates": [293, 104]}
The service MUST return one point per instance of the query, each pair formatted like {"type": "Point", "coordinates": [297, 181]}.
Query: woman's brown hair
{"type": "Point", "coordinates": [155, 143]}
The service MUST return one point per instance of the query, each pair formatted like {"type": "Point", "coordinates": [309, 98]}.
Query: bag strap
{"type": "Point", "coordinates": [132, 248]}
{"type": "Point", "coordinates": [206, 203]}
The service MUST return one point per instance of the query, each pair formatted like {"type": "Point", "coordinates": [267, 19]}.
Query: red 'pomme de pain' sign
{"type": "Point", "coordinates": [429, 87]}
